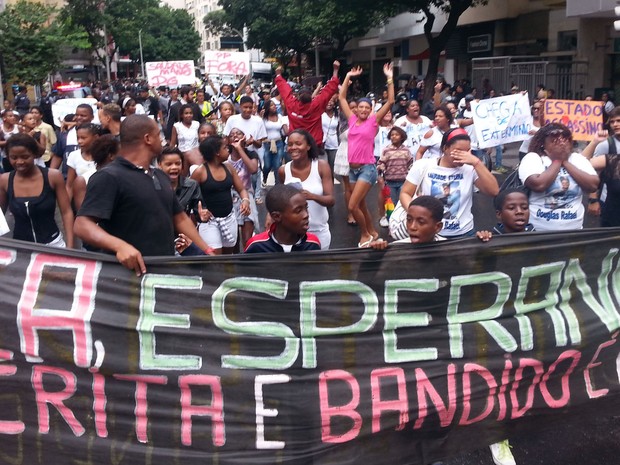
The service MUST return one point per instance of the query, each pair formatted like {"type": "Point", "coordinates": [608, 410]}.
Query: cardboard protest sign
{"type": "Point", "coordinates": [338, 357]}
{"type": "Point", "coordinates": [170, 73]}
{"type": "Point", "coordinates": [583, 118]}
{"type": "Point", "coordinates": [66, 106]}
{"type": "Point", "coordinates": [501, 120]}
{"type": "Point", "coordinates": [235, 63]}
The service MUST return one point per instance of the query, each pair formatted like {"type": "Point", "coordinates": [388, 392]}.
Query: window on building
{"type": "Point", "coordinates": [567, 41]}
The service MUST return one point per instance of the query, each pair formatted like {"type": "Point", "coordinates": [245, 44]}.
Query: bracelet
{"type": "Point", "coordinates": [390, 81]}
{"type": "Point", "coordinates": [593, 200]}
{"type": "Point", "coordinates": [477, 162]}
{"type": "Point", "coordinates": [248, 200]}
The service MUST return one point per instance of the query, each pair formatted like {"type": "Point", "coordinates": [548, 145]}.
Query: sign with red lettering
{"type": "Point", "coordinates": [338, 358]}
{"type": "Point", "coordinates": [583, 118]}
{"type": "Point", "coordinates": [170, 73]}
{"type": "Point", "coordinates": [236, 63]}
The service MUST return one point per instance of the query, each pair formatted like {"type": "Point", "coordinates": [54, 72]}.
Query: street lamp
{"type": "Point", "coordinates": [141, 57]}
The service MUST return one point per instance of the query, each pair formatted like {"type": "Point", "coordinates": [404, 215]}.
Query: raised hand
{"type": "Point", "coordinates": [388, 70]}
{"type": "Point", "coordinates": [239, 144]}
{"type": "Point", "coordinates": [357, 71]}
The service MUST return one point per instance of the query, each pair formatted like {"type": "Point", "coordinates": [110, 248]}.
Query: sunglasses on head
{"type": "Point", "coordinates": [559, 133]}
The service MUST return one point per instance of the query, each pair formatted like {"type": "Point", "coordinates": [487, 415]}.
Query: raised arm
{"type": "Point", "coordinates": [389, 74]}
{"type": "Point", "coordinates": [342, 95]}
{"type": "Point", "coordinates": [241, 85]}
{"type": "Point", "coordinates": [599, 137]}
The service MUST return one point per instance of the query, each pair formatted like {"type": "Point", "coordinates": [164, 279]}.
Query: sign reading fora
{"type": "Point", "coordinates": [477, 44]}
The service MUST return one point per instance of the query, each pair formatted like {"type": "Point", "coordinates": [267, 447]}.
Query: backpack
{"type": "Point", "coordinates": [513, 181]}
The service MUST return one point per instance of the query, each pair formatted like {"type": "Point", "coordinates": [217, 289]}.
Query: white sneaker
{"type": "Point", "coordinates": [501, 453]}
{"type": "Point", "coordinates": [384, 222]}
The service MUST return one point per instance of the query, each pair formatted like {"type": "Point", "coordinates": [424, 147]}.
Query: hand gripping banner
{"type": "Point", "coordinates": [340, 357]}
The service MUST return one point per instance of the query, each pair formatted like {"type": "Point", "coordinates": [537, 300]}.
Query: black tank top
{"type": "Point", "coordinates": [34, 216]}
{"type": "Point", "coordinates": [216, 194]}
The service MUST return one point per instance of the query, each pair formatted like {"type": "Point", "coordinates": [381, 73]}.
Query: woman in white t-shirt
{"type": "Point", "coordinates": [273, 147]}
{"type": "Point", "coordinates": [451, 178]}
{"type": "Point", "coordinates": [414, 124]}
{"type": "Point", "coordinates": [185, 132]}
{"type": "Point", "coordinates": [81, 161]}
{"type": "Point", "coordinates": [557, 179]}
{"type": "Point", "coordinates": [430, 145]}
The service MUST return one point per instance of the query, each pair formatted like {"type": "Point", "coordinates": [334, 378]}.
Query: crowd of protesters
{"type": "Point", "coordinates": [223, 147]}
{"type": "Point", "coordinates": [184, 171]}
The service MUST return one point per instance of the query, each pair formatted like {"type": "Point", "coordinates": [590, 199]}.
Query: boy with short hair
{"type": "Point", "coordinates": [424, 222]}
{"type": "Point", "coordinates": [513, 212]}
{"type": "Point", "coordinates": [289, 231]}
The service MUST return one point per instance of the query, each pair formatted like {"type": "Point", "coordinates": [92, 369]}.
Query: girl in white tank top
{"type": "Point", "coordinates": [314, 178]}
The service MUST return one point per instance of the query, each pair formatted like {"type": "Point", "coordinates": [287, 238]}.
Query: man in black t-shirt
{"type": "Point", "coordinates": [130, 208]}
{"type": "Point", "coordinates": [149, 103]}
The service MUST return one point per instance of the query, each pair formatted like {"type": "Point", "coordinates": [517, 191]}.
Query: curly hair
{"type": "Point", "coordinates": [537, 144]}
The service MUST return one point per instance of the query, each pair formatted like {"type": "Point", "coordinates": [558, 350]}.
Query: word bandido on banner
{"type": "Point", "coordinates": [340, 357]}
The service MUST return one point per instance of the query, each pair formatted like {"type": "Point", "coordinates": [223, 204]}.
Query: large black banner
{"type": "Point", "coordinates": [340, 357]}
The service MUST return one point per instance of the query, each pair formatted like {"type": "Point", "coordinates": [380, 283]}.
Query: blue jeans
{"type": "Point", "coordinates": [365, 173]}
{"type": "Point", "coordinates": [272, 160]}
{"type": "Point", "coordinates": [394, 189]}
{"type": "Point", "coordinates": [498, 156]}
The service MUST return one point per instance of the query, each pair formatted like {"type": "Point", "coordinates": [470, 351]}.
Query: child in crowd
{"type": "Point", "coordinates": [395, 162]}
{"type": "Point", "coordinates": [170, 161]}
{"type": "Point", "coordinates": [192, 159]}
{"type": "Point", "coordinates": [185, 132]}
{"type": "Point", "coordinates": [103, 151]}
{"type": "Point", "coordinates": [81, 161]}
{"type": "Point", "coordinates": [29, 126]}
{"type": "Point", "coordinates": [288, 232]}
{"type": "Point", "coordinates": [245, 164]}
{"type": "Point", "coordinates": [513, 212]}
{"type": "Point", "coordinates": [424, 222]}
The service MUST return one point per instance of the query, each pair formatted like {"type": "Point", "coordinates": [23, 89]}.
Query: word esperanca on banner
{"type": "Point", "coordinates": [274, 358]}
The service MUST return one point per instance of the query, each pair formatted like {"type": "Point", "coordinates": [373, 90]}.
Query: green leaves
{"type": "Point", "coordinates": [32, 39]}
{"type": "Point", "coordinates": [167, 34]}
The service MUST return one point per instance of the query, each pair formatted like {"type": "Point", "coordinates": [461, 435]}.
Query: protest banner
{"type": "Point", "coordinates": [170, 73]}
{"type": "Point", "coordinates": [501, 120]}
{"type": "Point", "coordinates": [337, 357]}
{"type": "Point", "coordinates": [235, 63]}
{"type": "Point", "coordinates": [583, 118]}
{"type": "Point", "coordinates": [66, 106]}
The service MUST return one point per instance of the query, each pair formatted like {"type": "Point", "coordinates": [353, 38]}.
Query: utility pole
{"type": "Point", "coordinates": [107, 53]}
{"type": "Point", "coordinates": [141, 56]}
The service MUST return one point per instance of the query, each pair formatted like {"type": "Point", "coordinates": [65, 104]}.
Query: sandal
{"type": "Point", "coordinates": [364, 245]}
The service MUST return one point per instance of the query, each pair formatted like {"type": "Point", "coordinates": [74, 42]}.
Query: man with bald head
{"type": "Point", "coordinates": [130, 208]}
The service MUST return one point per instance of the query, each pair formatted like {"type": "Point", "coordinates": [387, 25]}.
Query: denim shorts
{"type": "Point", "coordinates": [365, 173]}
